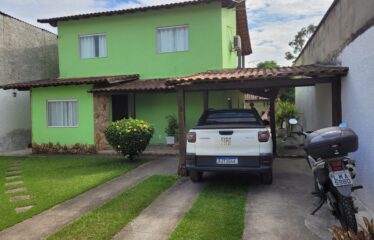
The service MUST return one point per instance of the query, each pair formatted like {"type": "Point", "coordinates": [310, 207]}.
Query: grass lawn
{"type": "Point", "coordinates": [107, 220]}
{"type": "Point", "coordinates": [52, 180]}
{"type": "Point", "coordinates": [218, 213]}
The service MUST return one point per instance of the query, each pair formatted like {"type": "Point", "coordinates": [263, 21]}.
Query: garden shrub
{"type": "Point", "coordinates": [130, 136]}
{"type": "Point", "coordinates": [51, 148]}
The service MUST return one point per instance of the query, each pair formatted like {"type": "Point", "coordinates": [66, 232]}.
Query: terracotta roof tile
{"type": "Point", "coordinates": [68, 81]}
{"type": "Point", "coordinates": [136, 86]}
{"type": "Point", "coordinates": [257, 73]}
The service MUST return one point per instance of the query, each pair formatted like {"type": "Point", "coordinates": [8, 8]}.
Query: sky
{"type": "Point", "coordinates": [272, 23]}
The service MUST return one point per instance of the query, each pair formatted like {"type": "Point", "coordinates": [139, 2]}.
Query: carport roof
{"type": "Point", "coordinates": [228, 75]}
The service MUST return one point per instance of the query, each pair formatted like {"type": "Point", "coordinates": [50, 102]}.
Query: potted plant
{"type": "Point", "coordinates": [171, 129]}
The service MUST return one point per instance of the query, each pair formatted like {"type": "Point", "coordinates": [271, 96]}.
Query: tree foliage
{"type": "Point", "coordinates": [268, 64]}
{"type": "Point", "coordinates": [299, 41]}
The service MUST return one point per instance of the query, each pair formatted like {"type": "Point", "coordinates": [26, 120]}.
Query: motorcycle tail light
{"type": "Point", "coordinates": [191, 137]}
{"type": "Point", "coordinates": [336, 165]}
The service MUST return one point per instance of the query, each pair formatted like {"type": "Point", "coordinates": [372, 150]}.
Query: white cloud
{"type": "Point", "coordinates": [279, 21]}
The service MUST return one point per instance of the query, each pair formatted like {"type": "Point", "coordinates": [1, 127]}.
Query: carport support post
{"type": "Point", "coordinates": [273, 95]}
{"type": "Point", "coordinates": [182, 132]}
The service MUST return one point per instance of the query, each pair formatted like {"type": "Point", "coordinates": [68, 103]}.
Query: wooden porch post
{"type": "Point", "coordinates": [273, 96]}
{"type": "Point", "coordinates": [182, 132]}
{"type": "Point", "coordinates": [132, 106]}
{"type": "Point", "coordinates": [205, 100]}
{"type": "Point", "coordinates": [336, 102]}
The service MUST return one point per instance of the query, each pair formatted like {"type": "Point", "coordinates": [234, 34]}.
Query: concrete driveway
{"type": "Point", "coordinates": [282, 210]}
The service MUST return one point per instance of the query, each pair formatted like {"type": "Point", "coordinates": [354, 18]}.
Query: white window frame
{"type": "Point", "coordinates": [168, 27]}
{"type": "Point", "coordinates": [63, 100]}
{"type": "Point", "coordinates": [92, 35]}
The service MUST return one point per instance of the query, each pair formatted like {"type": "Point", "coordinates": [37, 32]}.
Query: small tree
{"type": "Point", "coordinates": [130, 137]}
{"type": "Point", "coordinates": [299, 41]}
{"type": "Point", "coordinates": [172, 126]}
{"type": "Point", "coordinates": [268, 64]}
{"type": "Point", "coordinates": [286, 111]}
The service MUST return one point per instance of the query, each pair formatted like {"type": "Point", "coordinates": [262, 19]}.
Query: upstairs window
{"type": "Point", "coordinates": [93, 46]}
{"type": "Point", "coordinates": [62, 113]}
{"type": "Point", "coordinates": [172, 39]}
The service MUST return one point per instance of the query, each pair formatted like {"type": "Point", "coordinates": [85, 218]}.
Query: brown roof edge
{"type": "Point", "coordinates": [144, 85]}
{"type": "Point", "coordinates": [262, 74]}
{"type": "Point", "coordinates": [22, 86]}
{"type": "Point", "coordinates": [242, 28]}
{"type": "Point", "coordinates": [53, 21]}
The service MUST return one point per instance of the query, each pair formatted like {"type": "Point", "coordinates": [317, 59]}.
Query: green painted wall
{"type": "Point", "coordinates": [228, 32]}
{"type": "Point", "coordinates": [84, 133]}
{"type": "Point", "coordinates": [131, 47]}
{"type": "Point", "coordinates": [155, 107]}
{"type": "Point", "coordinates": [131, 43]}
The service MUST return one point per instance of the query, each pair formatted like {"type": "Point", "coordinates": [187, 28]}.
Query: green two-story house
{"type": "Point", "coordinates": [115, 65]}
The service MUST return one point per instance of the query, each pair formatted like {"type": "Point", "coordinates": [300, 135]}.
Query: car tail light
{"type": "Point", "coordinates": [191, 137]}
{"type": "Point", "coordinates": [263, 136]}
{"type": "Point", "coordinates": [336, 165]}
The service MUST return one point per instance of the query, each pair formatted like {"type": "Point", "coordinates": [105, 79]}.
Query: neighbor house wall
{"type": "Point", "coordinates": [132, 43]}
{"type": "Point", "coordinates": [83, 134]}
{"type": "Point", "coordinates": [346, 38]}
{"type": "Point", "coordinates": [26, 53]}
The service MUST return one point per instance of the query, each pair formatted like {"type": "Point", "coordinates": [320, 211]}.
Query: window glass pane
{"type": "Point", "coordinates": [232, 117]}
{"type": "Point", "coordinates": [173, 39]}
{"type": "Point", "coordinates": [93, 46]}
{"type": "Point", "coordinates": [62, 114]}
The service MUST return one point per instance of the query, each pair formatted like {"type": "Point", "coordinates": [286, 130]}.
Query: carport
{"type": "Point", "coordinates": [261, 82]}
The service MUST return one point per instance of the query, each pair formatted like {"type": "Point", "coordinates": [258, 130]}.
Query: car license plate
{"type": "Point", "coordinates": [341, 178]}
{"type": "Point", "coordinates": [227, 160]}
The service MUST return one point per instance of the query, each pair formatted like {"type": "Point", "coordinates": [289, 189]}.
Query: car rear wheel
{"type": "Point", "coordinates": [196, 176]}
{"type": "Point", "coordinates": [267, 178]}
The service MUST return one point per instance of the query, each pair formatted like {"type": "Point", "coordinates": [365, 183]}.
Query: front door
{"type": "Point", "coordinates": [120, 107]}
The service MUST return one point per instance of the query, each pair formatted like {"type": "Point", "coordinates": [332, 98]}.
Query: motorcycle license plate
{"type": "Point", "coordinates": [340, 178]}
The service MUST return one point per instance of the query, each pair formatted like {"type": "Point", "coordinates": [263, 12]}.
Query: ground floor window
{"type": "Point", "coordinates": [62, 113]}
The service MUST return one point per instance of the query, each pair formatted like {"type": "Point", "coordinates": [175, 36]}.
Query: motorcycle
{"type": "Point", "coordinates": [327, 155]}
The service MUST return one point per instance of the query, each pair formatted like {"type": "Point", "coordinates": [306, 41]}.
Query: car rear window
{"type": "Point", "coordinates": [231, 117]}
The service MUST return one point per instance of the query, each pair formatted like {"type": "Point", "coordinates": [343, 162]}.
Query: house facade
{"type": "Point", "coordinates": [115, 65]}
{"type": "Point", "coordinates": [26, 53]}
{"type": "Point", "coordinates": [345, 37]}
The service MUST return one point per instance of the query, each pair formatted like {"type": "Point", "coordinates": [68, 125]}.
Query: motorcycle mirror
{"type": "Point", "coordinates": [343, 125]}
{"type": "Point", "coordinates": [292, 121]}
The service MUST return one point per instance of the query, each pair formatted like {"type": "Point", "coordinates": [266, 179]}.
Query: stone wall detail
{"type": "Point", "coordinates": [101, 121]}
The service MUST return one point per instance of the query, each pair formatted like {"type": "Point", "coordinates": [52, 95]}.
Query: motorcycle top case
{"type": "Point", "coordinates": [331, 142]}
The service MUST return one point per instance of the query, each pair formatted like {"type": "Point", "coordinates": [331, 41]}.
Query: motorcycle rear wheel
{"type": "Point", "coordinates": [347, 216]}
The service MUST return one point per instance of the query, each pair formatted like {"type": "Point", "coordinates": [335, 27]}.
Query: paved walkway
{"type": "Point", "coordinates": [161, 217]}
{"type": "Point", "coordinates": [279, 211]}
{"type": "Point", "coordinates": [52, 220]}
